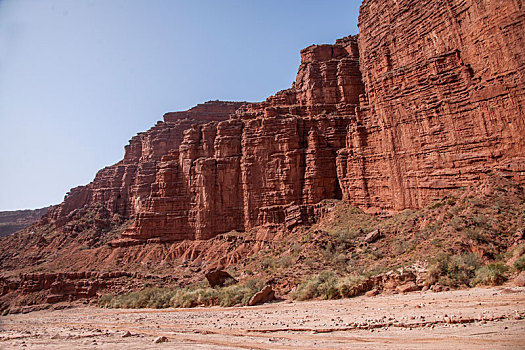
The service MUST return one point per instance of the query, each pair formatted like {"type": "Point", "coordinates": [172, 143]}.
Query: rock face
{"type": "Point", "coordinates": [429, 98]}
{"type": "Point", "coordinates": [68, 286]}
{"type": "Point", "coordinates": [245, 172]}
{"type": "Point", "coordinates": [444, 102]}
{"type": "Point", "coordinates": [124, 187]}
{"type": "Point", "coordinates": [219, 278]}
{"type": "Point", "coordinates": [12, 221]}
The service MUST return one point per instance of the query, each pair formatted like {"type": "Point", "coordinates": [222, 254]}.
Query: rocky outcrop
{"type": "Point", "coordinates": [56, 287]}
{"type": "Point", "coordinates": [218, 278]}
{"type": "Point", "coordinates": [391, 120]}
{"type": "Point", "coordinates": [444, 101]}
{"type": "Point", "coordinates": [263, 296]}
{"type": "Point", "coordinates": [430, 97]}
{"type": "Point", "coordinates": [124, 187]}
{"type": "Point", "coordinates": [247, 171]}
{"type": "Point", "coordinates": [12, 221]}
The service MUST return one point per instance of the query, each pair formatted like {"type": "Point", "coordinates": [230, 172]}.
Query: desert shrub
{"type": "Point", "coordinates": [148, 297]}
{"type": "Point", "coordinates": [476, 234]}
{"type": "Point", "coordinates": [268, 262]}
{"type": "Point", "coordinates": [344, 237]}
{"type": "Point", "coordinates": [451, 200]}
{"type": "Point", "coordinates": [322, 285]}
{"type": "Point", "coordinates": [457, 222]}
{"type": "Point", "coordinates": [348, 287]}
{"type": "Point", "coordinates": [437, 242]}
{"type": "Point", "coordinates": [399, 247]}
{"type": "Point", "coordinates": [296, 249]}
{"type": "Point", "coordinates": [493, 274]}
{"type": "Point", "coordinates": [480, 220]}
{"type": "Point", "coordinates": [476, 202]}
{"type": "Point", "coordinates": [327, 285]}
{"type": "Point", "coordinates": [436, 205]}
{"type": "Point", "coordinates": [349, 223]}
{"type": "Point", "coordinates": [452, 270]}
{"type": "Point", "coordinates": [184, 297]}
{"type": "Point", "coordinates": [520, 264]}
{"type": "Point", "coordinates": [518, 253]}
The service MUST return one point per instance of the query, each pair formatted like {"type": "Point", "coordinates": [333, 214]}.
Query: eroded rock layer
{"type": "Point", "coordinates": [429, 98]}
{"type": "Point", "coordinates": [124, 187]}
{"type": "Point", "coordinates": [247, 171]}
{"type": "Point", "coordinates": [12, 221]}
{"type": "Point", "coordinates": [444, 102]}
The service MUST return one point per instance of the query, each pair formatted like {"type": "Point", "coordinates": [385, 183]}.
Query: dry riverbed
{"type": "Point", "coordinates": [491, 318]}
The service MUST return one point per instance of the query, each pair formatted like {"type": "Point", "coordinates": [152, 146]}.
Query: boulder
{"type": "Point", "coordinates": [161, 339]}
{"type": "Point", "coordinates": [218, 278]}
{"type": "Point", "coordinates": [372, 236]}
{"type": "Point", "coordinates": [372, 293]}
{"type": "Point", "coordinates": [408, 287]}
{"type": "Point", "coordinates": [265, 295]}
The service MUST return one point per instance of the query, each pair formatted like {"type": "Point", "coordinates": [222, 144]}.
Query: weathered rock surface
{"type": "Point", "coordinates": [444, 101]}
{"type": "Point", "coordinates": [124, 187]}
{"type": "Point", "coordinates": [372, 236]}
{"type": "Point", "coordinates": [161, 339]}
{"type": "Point", "coordinates": [263, 296]}
{"type": "Point", "coordinates": [218, 278]}
{"type": "Point", "coordinates": [520, 279]}
{"type": "Point", "coordinates": [12, 221]}
{"type": "Point", "coordinates": [69, 286]}
{"type": "Point", "coordinates": [429, 98]}
{"type": "Point", "coordinates": [247, 171]}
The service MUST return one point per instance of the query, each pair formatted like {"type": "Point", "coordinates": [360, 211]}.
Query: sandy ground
{"type": "Point", "coordinates": [470, 319]}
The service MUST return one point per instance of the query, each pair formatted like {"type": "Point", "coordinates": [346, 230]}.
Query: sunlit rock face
{"type": "Point", "coordinates": [430, 97]}
{"type": "Point", "coordinates": [444, 100]}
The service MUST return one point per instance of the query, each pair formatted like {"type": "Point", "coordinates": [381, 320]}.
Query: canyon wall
{"type": "Point", "coordinates": [12, 221]}
{"type": "Point", "coordinates": [444, 102]}
{"type": "Point", "coordinates": [430, 97]}
{"type": "Point", "coordinates": [124, 187]}
{"type": "Point", "coordinates": [249, 170]}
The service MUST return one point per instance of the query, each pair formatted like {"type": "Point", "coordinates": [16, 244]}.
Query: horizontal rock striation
{"type": "Point", "coordinates": [430, 97]}
{"type": "Point", "coordinates": [444, 102]}
{"type": "Point", "coordinates": [124, 187]}
{"type": "Point", "coordinates": [12, 221]}
{"type": "Point", "coordinates": [69, 286]}
{"type": "Point", "coordinates": [247, 171]}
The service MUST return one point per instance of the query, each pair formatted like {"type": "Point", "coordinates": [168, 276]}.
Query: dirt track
{"type": "Point", "coordinates": [477, 319]}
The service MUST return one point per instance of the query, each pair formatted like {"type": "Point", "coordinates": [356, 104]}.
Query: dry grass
{"type": "Point", "coordinates": [158, 298]}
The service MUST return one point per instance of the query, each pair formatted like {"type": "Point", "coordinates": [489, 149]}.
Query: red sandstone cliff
{"type": "Point", "coordinates": [444, 102]}
{"type": "Point", "coordinates": [247, 171]}
{"type": "Point", "coordinates": [12, 221]}
{"type": "Point", "coordinates": [429, 98]}
{"type": "Point", "coordinates": [123, 188]}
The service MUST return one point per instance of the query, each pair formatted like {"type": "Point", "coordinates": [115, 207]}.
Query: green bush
{"type": "Point", "coordinates": [520, 264]}
{"type": "Point", "coordinates": [493, 274]}
{"type": "Point", "coordinates": [453, 270]}
{"type": "Point", "coordinates": [184, 297]}
{"type": "Point", "coordinates": [348, 287]}
{"type": "Point", "coordinates": [321, 285]}
{"type": "Point", "coordinates": [327, 285]}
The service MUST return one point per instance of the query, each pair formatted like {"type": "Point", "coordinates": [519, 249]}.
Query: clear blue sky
{"type": "Point", "coordinates": [79, 78]}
